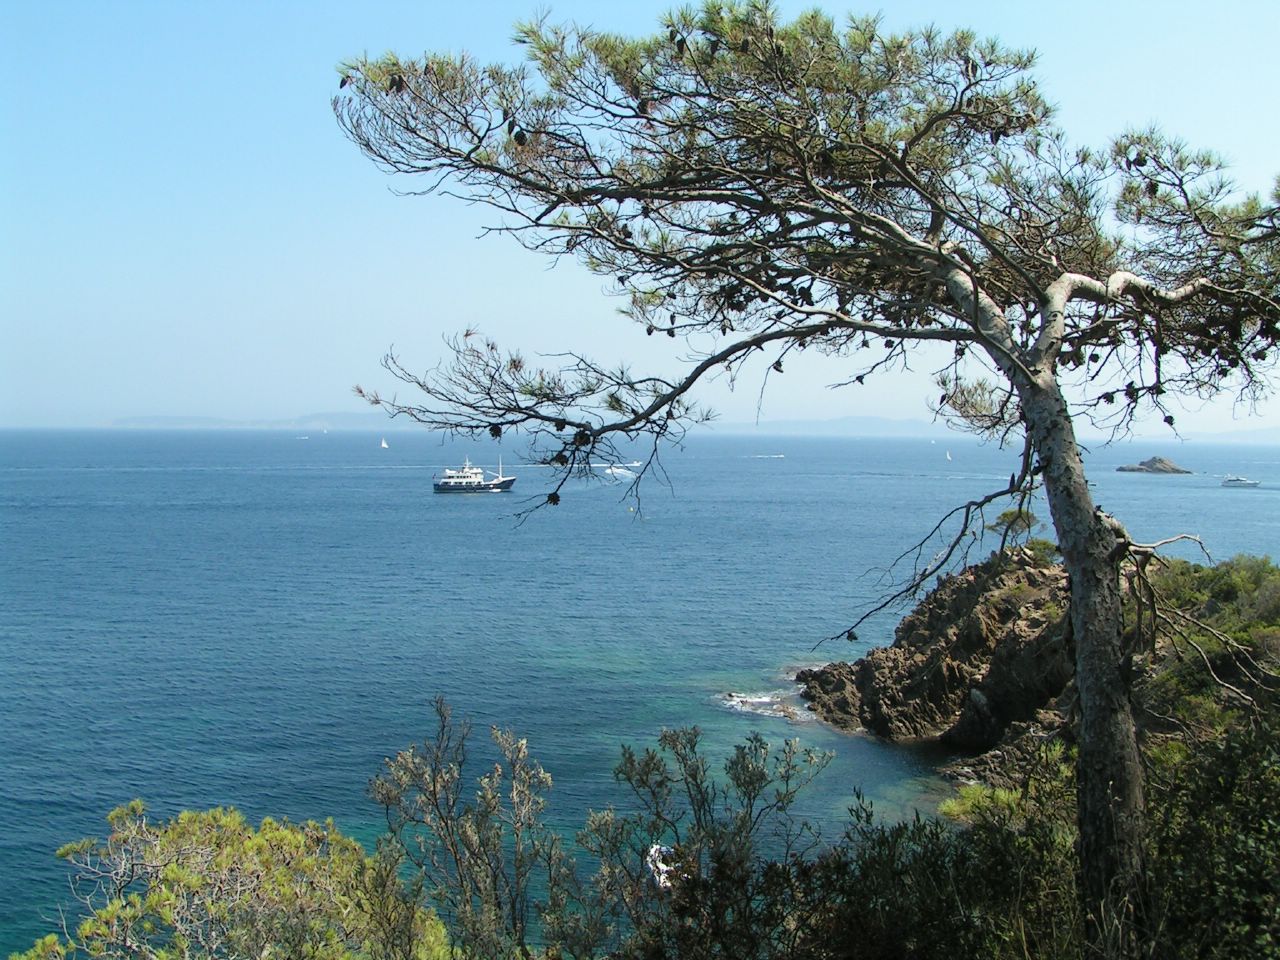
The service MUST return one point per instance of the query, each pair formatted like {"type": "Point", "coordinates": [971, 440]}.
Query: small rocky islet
{"type": "Point", "coordinates": [1153, 465]}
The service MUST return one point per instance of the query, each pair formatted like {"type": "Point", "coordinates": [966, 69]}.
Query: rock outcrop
{"type": "Point", "coordinates": [1152, 465]}
{"type": "Point", "coordinates": [983, 664]}
{"type": "Point", "coordinates": [984, 653]}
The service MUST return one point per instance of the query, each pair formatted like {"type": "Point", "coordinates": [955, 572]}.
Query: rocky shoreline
{"type": "Point", "coordinates": [981, 666]}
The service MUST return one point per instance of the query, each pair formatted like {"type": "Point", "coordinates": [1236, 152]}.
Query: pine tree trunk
{"type": "Point", "coordinates": [1110, 791]}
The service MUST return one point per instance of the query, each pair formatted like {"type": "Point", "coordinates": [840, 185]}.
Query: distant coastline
{"type": "Point", "coordinates": [852, 427]}
{"type": "Point", "coordinates": [314, 421]}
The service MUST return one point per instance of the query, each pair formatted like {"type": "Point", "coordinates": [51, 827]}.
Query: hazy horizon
{"type": "Point", "coordinates": [187, 232]}
{"type": "Point", "coordinates": [848, 426]}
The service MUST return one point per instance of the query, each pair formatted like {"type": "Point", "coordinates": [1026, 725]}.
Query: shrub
{"type": "Point", "coordinates": [1215, 864]}
{"type": "Point", "coordinates": [706, 864]}
{"type": "Point", "coordinates": [208, 884]}
{"type": "Point", "coordinates": [1044, 551]}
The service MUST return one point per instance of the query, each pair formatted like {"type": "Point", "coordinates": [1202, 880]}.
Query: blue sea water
{"type": "Point", "coordinates": [258, 619]}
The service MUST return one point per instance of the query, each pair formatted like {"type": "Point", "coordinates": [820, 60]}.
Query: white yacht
{"type": "Point", "coordinates": [472, 479]}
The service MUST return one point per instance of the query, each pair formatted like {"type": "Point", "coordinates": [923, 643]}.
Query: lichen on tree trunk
{"type": "Point", "coordinates": [1110, 786]}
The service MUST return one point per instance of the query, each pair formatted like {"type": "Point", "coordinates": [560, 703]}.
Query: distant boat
{"type": "Point", "coordinates": [384, 443]}
{"type": "Point", "coordinates": [948, 456]}
{"type": "Point", "coordinates": [1232, 481]}
{"type": "Point", "coordinates": [471, 479]}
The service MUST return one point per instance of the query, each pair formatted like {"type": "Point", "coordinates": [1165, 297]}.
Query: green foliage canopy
{"type": "Point", "coordinates": [809, 186]}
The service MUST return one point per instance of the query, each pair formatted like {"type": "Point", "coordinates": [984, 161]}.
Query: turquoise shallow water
{"type": "Point", "coordinates": [258, 620]}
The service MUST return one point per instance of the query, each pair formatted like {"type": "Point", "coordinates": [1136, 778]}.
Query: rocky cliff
{"type": "Point", "coordinates": [983, 665]}
{"type": "Point", "coordinates": [982, 661]}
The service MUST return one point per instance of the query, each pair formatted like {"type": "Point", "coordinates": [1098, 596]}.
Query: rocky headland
{"type": "Point", "coordinates": [1152, 465]}
{"type": "Point", "coordinates": [981, 666]}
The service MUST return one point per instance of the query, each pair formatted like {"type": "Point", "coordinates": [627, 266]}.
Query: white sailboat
{"type": "Point", "coordinates": [384, 443]}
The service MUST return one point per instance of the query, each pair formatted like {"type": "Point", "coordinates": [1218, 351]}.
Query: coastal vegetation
{"type": "Point", "coordinates": [209, 884]}
{"type": "Point", "coordinates": [754, 189]}
{"type": "Point", "coordinates": [699, 860]}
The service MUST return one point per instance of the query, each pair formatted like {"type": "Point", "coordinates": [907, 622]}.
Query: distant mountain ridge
{"type": "Point", "coordinates": [862, 426]}
{"type": "Point", "coordinates": [851, 426]}
{"type": "Point", "coordinates": [316, 421]}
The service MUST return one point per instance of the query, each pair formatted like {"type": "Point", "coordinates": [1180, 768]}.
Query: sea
{"type": "Point", "coordinates": [259, 619]}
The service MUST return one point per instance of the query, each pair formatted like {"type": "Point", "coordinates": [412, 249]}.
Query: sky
{"type": "Point", "coordinates": [185, 231]}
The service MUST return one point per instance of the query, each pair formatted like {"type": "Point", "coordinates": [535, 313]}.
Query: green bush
{"type": "Point", "coordinates": [1044, 551]}
{"type": "Point", "coordinates": [1215, 860]}
{"type": "Point", "coordinates": [740, 878]}
{"type": "Point", "coordinates": [209, 884]}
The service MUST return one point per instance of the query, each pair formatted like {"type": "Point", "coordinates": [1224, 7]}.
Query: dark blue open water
{"type": "Point", "coordinates": [256, 619]}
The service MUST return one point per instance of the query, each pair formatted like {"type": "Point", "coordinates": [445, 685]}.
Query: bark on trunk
{"type": "Point", "coordinates": [1110, 792]}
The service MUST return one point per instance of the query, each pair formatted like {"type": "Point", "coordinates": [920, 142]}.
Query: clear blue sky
{"type": "Point", "coordinates": [185, 231]}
